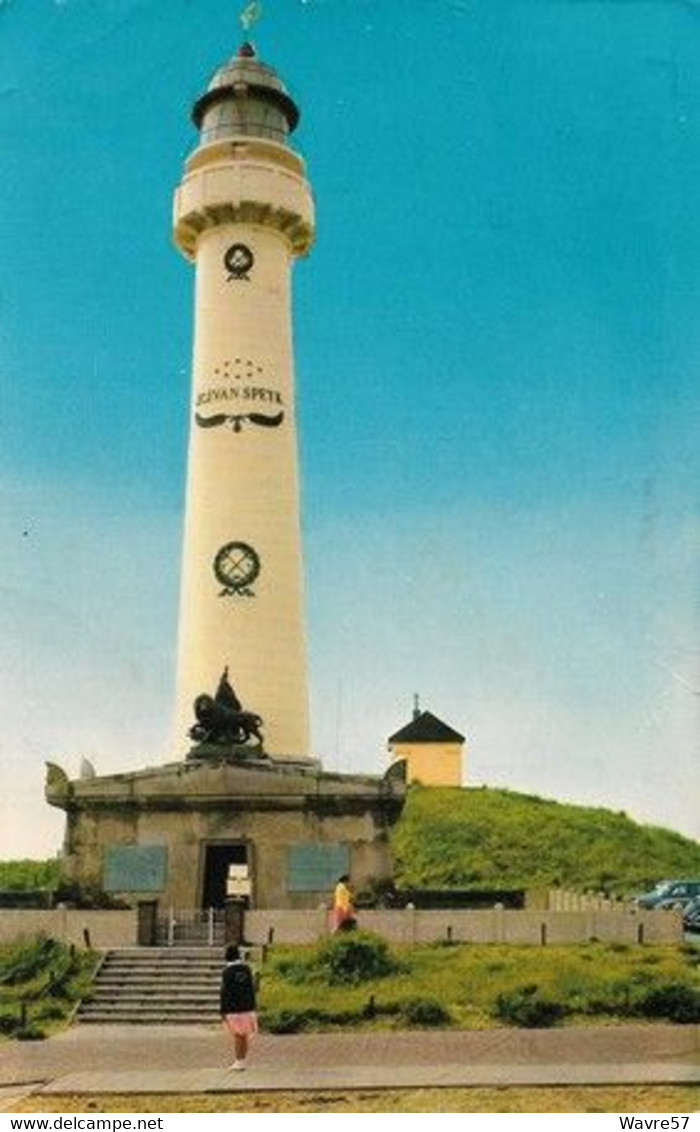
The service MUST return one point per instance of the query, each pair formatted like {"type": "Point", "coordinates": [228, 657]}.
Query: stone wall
{"type": "Point", "coordinates": [405, 926]}
{"type": "Point", "coordinates": [410, 926]}
{"type": "Point", "coordinates": [267, 836]}
{"type": "Point", "coordinates": [106, 928]}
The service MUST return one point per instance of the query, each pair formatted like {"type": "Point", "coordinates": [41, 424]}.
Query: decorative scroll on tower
{"type": "Point", "coordinates": [242, 213]}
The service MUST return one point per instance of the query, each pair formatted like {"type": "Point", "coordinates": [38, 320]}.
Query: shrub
{"type": "Point", "coordinates": [349, 1017]}
{"type": "Point", "coordinates": [52, 1011]}
{"type": "Point", "coordinates": [293, 970]}
{"type": "Point", "coordinates": [355, 958]}
{"type": "Point", "coordinates": [86, 894]}
{"type": "Point", "coordinates": [671, 999]}
{"type": "Point", "coordinates": [22, 876]}
{"type": "Point", "coordinates": [617, 997]}
{"type": "Point", "coordinates": [643, 995]}
{"type": "Point", "coordinates": [30, 1033]}
{"type": "Point", "coordinates": [293, 1021]}
{"type": "Point", "coordinates": [425, 1012]}
{"type": "Point", "coordinates": [374, 1009]}
{"type": "Point", "coordinates": [23, 961]}
{"type": "Point", "coordinates": [528, 1007]}
{"type": "Point", "coordinates": [59, 985]}
{"type": "Point", "coordinates": [284, 1021]}
{"type": "Point", "coordinates": [43, 978]}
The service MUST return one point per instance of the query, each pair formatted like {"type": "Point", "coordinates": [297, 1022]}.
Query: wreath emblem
{"type": "Point", "coordinates": [236, 566]}
{"type": "Point", "coordinates": [238, 260]}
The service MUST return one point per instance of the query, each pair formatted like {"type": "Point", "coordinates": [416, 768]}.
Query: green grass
{"type": "Point", "coordinates": [592, 982]}
{"type": "Point", "coordinates": [482, 838]}
{"type": "Point", "coordinates": [46, 976]}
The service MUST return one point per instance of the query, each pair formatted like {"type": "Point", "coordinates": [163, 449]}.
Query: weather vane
{"type": "Point", "coordinates": [250, 14]}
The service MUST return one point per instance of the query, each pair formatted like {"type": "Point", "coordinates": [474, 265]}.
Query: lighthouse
{"type": "Point", "coordinates": [238, 819]}
{"type": "Point", "coordinates": [242, 213]}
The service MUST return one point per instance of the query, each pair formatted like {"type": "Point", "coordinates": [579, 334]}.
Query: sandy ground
{"type": "Point", "coordinates": [630, 1099]}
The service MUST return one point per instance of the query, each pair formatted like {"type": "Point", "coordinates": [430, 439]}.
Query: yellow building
{"type": "Point", "coordinates": [432, 750]}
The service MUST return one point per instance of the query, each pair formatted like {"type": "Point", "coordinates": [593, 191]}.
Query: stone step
{"type": "Point", "coordinates": [153, 1019]}
{"type": "Point", "coordinates": [138, 950]}
{"type": "Point", "coordinates": [150, 1017]}
{"type": "Point", "coordinates": [134, 982]}
{"type": "Point", "coordinates": [139, 994]}
{"type": "Point", "coordinates": [127, 988]}
{"type": "Point", "coordinates": [156, 985]}
{"type": "Point", "coordinates": [156, 1006]}
{"type": "Point", "coordinates": [166, 971]}
{"type": "Point", "coordinates": [132, 989]}
{"type": "Point", "coordinates": [173, 954]}
{"type": "Point", "coordinates": [169, 960]}
{"type": "Point", "coordinates": [138, 1009]}
{"type": "Point", "coordinates": [148, 994]}
{"type": "Point", "coordinates": [164, 964]}
{"type": "Point", "coordinates": [203, 994]}
{"type": "Point", "coordinates": [150, 1020]}
{"type": "Point", "coordinates": [195, 941]}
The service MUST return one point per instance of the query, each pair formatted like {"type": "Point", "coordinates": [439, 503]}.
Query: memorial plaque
{"type": "Point", "coordinates": [316, 868]}
{"type": "Point", "coordinates": [135, 868]}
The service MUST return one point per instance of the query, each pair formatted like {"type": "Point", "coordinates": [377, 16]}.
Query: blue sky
{"type": "Point", "coordinates": [498, 347]}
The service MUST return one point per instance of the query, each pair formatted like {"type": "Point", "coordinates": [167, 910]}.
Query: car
{"type": "Point", "coordinates": [670, 894]}
{"type": "Point", "coordinates": [691, 915]}
{"type": "Point", "coordinates": [649, 899]}
{"type": "Point", "coordinates": [679, 894]}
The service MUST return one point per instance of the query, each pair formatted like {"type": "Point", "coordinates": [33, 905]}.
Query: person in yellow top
{"type": "Point", "coordinates": [343, 916]}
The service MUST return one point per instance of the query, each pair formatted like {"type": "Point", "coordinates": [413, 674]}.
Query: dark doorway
{"type": "Point", "coordinates": [147, 921]}
{"type": "Point", "coordinates": [217, 859]}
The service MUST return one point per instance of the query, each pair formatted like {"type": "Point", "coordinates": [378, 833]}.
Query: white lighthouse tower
{"type": "Point", "coordinates": [242, 213]}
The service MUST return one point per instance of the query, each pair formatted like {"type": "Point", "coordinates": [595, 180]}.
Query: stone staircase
{"type": "Point", "coordinates": [152, 985]}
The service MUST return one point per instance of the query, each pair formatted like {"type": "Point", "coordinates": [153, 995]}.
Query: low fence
{"type": "Point", "coordinates": [99, 928]}
{"type": "Point", "coordinates": [619, 924]}
{"type": "Point", "coordinates": [566, 900]}
{"type": "Point", "coordinates": [495, 925]}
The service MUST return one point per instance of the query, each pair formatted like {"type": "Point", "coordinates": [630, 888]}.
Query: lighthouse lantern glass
{"type": "Point", "coordinates": [250, 117]}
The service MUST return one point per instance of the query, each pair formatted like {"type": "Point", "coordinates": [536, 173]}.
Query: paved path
{"type": "Point", "coordinates": [194, 1059]}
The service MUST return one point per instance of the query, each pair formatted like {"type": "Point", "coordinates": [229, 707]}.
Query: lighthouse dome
{"type": "Point", "coordinates": [245, 97]}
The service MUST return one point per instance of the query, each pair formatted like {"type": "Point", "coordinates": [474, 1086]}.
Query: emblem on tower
{"type": "Point", "coordinates": [236, 567]}
{"type": "Point", "coordinates": [238, 260]}
{"type": "Point", "coordinates": [236, 421]}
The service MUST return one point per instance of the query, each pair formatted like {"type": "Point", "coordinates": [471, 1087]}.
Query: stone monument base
{"type": "Point", "coordinates": [182, 834]}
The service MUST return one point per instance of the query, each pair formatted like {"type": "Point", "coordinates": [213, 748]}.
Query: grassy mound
{"type": "Point", "coordinates": [480, 838]}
